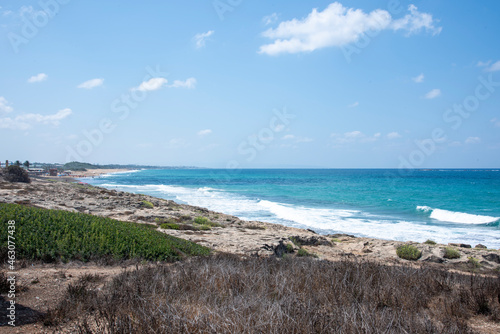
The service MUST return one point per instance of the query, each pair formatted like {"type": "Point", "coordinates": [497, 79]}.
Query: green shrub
{"type": "Point", "coordinates": [205, 223]}
{"type": "Point", "coordinates": [295, 241]}
{"type": "Point", "coordinates": [473, 262]}
{"type": "Point", "coordinates": [170, 226]}
{"type": "Point", "coordinates": [289, 248]}
{"type": "Point", "coordinates": [51, 235]}
{"type": "Point", "coordinates": [451, 253]}
{"type": "Point", "coordinates": [430, 242]}
{"type": "Point", "coordinates": [408, 252]}
{"type": "Point", "coordinates": [16, 174]}
{"type": "Point", "coordinates": [303, 253]}
{"type": "Point", "coordinates": [147, 204]}
{"type": "Point", "coordinates": [201, 220]}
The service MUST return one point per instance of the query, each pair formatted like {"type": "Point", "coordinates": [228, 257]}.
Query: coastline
{"type": "Point", "coordinates": [248, 238]}
{"type": "Point", "coordinates": [46, 282]}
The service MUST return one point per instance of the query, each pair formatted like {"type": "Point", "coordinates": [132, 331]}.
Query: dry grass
{"type": "Point", "coordinates": [228, 294]}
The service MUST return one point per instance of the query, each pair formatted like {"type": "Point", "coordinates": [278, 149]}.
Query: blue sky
{"type": "Point", "coordinates": [350, 84]}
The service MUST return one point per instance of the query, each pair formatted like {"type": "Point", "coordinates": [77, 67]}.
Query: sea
{"type": "Point", "coordinates": [446, 206]}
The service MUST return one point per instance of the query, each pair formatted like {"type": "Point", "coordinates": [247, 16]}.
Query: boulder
{"type": "Point", "coordinates": [460, 245]}
{"type": "Point", "coordinates": [434, 259]}
{"type": "Point", "coordinates": [481, 246]}
{"type": "Point", "coordinates": [492, 257]}
{"type": "Point", "coordinates": [311, 241]}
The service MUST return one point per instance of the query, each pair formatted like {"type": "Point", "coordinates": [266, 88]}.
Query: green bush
{"type": "Point", "coordinates": [147, 204]}
{"type": "Point", "coordinates": [205, 223]}
{"type": "Point", "coordinates": [430, 242]}
{"type": "Point", "coordinates": [16, 174]}
{"type": "Point", "coordinates": [50, 235]}
{"type": "Point", "coordinates": [303, 253]}
{"type": "Point", "coordinates": [473, 262]}
{"type": "Point", "coordinates": [451, 253]}
{"type": "Point", "coordinates": [408, 252]}
{"type": "Point", "coordinates": [201, 220]}
{"type": "Point", "coordinates": [170, 226]}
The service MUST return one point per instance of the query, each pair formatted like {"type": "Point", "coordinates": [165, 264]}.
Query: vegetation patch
{"type": "Point", "coordinates": [229, 294]}
{"type": "Point", "coordinates": [451, 253]}
{"type": "Point", "coordinates": [205, 224]}
{"type": "Point", "coordinates": [408, 252]}
{"type": "Point", "coordinates": [474, 263]}
{"type": "Point", "coordinates": [170, 226]}
{"type": "Point", "coordinates": [51, 235]}
{"type": "Point", "coordinates": [304, 253]}
{"type": "Point", "coordinates": [16, 174]}
{"type": "Point", "coordinates": [147, 204]}
{"type": "Point", "coordinates": [430, 242]}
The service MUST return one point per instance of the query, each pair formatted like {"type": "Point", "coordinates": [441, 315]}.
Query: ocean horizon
{"type": "Point", "coordinates": [443, 205]}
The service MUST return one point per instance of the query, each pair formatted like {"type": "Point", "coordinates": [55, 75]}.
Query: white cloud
{"type": "Point", "coordinates": [433, 94]}
{"type": "Point", "coordinates": [494, 67]}
{"type": "Point", "coordinates": [189, 83]}
{"type": "Point", "coordinates": [338, 25]}
{"type": "Point", "coordinates": [201, 39]}
{"type": "Point", "coordinates": [415, 22]}
{"type": "Point", "coordinates": [270, 19]}
{"type": "Point", "coordinates": [304, 140]}
{"type": "Point", "coordinates": [483, 63]}
{"type": "Point", "coordinates": [89, 84]}
{"type": "Point", "coordinates": [354, 137]}
{"type": "Point", "coordinates": [393, 135]}
{"type": "Point", "coordinates": [473, 140]}
{"type": "Point", "coordinates": [24, 122]}
{"type": "Point", "coordinates": [5, 105]}
{"type": "Point", "coordinates": [279, 127]}
{"type": "Point", "coordinates": [354, 105]}
{"type": "Point", "coordinates": [151, 84]}
{"type": "Point", "coordinates": [495, 121]}
{"type": "Point", "coordinates": [419, 78]}
{"type": "Point", "coordinates": [177, 143]}
{"type": "Point", "coordinates": [38, 78]}
{"type": "Point", "coordinates": [205, 132]}
{"type": "Point", "coordinates": [297, 139]}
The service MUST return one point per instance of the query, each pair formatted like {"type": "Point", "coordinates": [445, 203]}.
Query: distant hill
{"type": "Point", "coordinates": [75, 165]}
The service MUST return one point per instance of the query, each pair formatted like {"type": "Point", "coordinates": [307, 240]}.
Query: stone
{"type": "Point", "coordinates": [460, 245]}
{"type": "Point", "coordinates": [434, 259]}
{"type": "Point", "coordinates": [311, 241]}
{"type": "Point", "coordinates": [481, 246]}
{"type": "Point", "coordinates": [492, 257]}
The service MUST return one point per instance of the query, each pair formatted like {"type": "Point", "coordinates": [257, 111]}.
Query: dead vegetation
{"type": "Point", "coordinates": [230, 294]}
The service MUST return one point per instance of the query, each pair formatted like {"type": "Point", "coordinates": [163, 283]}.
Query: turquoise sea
{"type": "Point", "coordinates": [442, 205]}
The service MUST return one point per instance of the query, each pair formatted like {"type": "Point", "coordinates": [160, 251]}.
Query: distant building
{"type": "Point", "coordinates": [53, 172]}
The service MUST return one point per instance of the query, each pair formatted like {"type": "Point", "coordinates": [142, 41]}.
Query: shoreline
{"type": "Point", "coordinates": [248, 238]}
{"type": "Point", "coordinates": [46, 283]}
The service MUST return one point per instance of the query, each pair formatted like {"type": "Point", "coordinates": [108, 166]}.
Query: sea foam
{"type": "Point", "coordinates": [457, 217]}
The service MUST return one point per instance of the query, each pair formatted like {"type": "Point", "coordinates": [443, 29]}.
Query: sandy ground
{"type": "Point", "coordinates": [45, 283]}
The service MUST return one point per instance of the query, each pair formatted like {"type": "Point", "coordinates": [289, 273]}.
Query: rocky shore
{"type": "Point", "coordinates": [42, 285]}
{"type": "Point", "coordinates": [228, 233]}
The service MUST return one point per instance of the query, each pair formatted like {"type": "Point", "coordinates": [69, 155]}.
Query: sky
{"type": "Point", "coordinates": [251, 84]}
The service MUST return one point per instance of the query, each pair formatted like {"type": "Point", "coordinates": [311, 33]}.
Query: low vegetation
{"type": "Point", "coordinates": [15, 173]}
{"type": "Point", "coordinates": [170, 226]}
{"type": "Point", "coordinates": [147, 204]}
{"type": "Point", "coordinates": [229, 294]}
{"type": "Point", "coordinates": [408, 252]}
{"type": "Point", "coordinates": [304, 253]}
{"type": "Point", "coordinates": [430, 242]}
{"type": "Point", "coordinates": [451, 253]}
{"type": "Point", "coordinates": [205, 224]}
{"type": "Point", "coordinates": [51, 235]}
